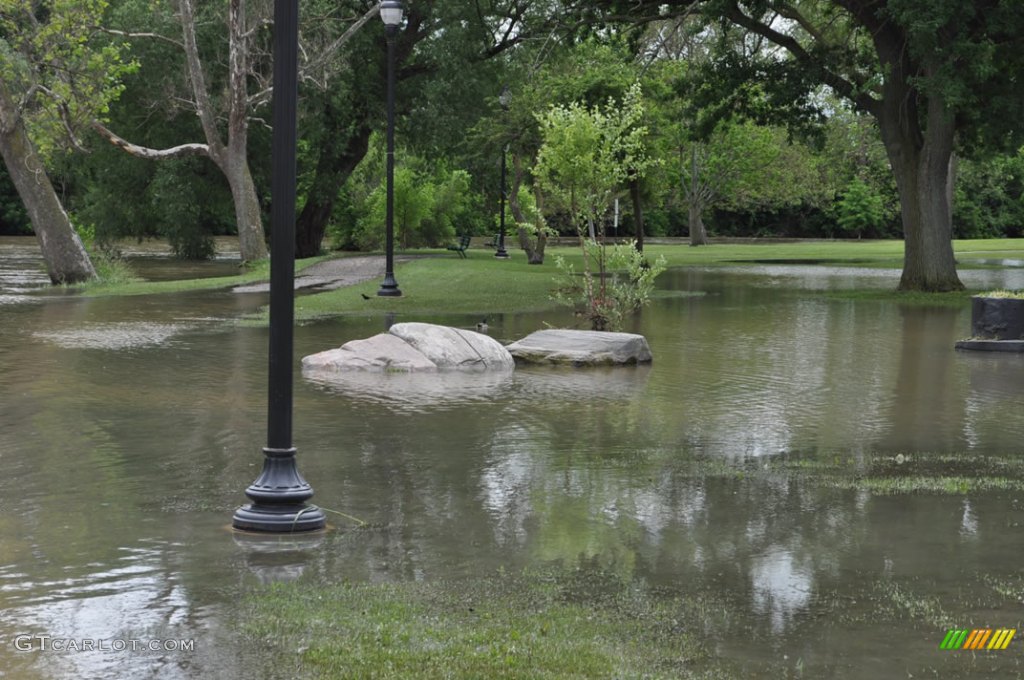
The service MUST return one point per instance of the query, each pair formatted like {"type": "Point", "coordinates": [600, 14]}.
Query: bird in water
{"type": "Point", "coordinates": [481, 327]}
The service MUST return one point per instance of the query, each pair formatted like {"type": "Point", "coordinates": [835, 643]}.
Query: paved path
{"type": "Point", "coordinates": [332, 274]}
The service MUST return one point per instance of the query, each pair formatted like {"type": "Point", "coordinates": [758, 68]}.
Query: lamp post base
{"type": "Point", "coordinates": [501, 254]}
{"type": "Point", "coordinates": [279, 498]}
{"type": "Point", "coordinates": [279, 519]}
{"type": "Point", "coordinates": [389, 288]}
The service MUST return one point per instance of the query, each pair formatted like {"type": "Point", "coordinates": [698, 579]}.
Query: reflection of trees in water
{"type": "Point", "coordinates": [995, 400]}
{"type": "Point", "coordinates": [927, 408]}
{"type": "Point", "coordinates": [751, 373]}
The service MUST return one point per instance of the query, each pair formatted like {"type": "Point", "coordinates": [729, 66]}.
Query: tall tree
{"type": "Point", "coordinates": [933, 73]}
{"type": "Point", "coordinates": [227, 145]}
{"type": "Point", "coordinates": [229, 151]}
{"type": "Point", "coordinates": [52, 79]}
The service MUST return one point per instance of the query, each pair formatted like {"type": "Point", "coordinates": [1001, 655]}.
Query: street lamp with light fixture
{"type": "Point", "coordinates": [391, 14]}
{"type": "Point", "coordinates": [280, 493]}
{"type": "Point", "coordinates": [505, 98]}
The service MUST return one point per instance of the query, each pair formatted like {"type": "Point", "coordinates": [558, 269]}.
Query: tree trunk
{"type": "Point", "coordinates": [922, 164]}
{"type": "Point", "coordinates": [638, 213]}
{"type": "Point", "coordinates": [333, 168]}
{"type": "Point", "coordinates": [534, 249]}
{"type": "Point", "coordinates": [694, 196]}
{"type": "Point", "coordinates": [65, 256]}
{"type": "Point", "coordinates": [698, 234]}
{"type": "Point", "coordinates": [248, 215]}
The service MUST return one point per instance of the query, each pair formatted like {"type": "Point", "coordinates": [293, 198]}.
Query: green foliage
{"type": "Point", "coordinates": [67, 76]}
{"type": "Point", "coordinates": [13, 216]}
{"type": "Point", "coordinates": [624, 284]}
{"type": "Point", "coordinates": [859, 209]}
{"type": "Point", "coordinates": [989, 199]}
{"type": "Point", "coordinates": [534, 219]}
{"type": "Point", "coordinates": [182, 200]}
{"type": "Point", "coordinates": [110, 265]}
{"type": "Point", "coordinates": [430, 207]}
{"type": "Point", "coordinates": [588, 152]}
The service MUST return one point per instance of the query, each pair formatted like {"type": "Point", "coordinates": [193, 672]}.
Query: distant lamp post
{"type": "Point", "coordinates": [505, 98]}
{"type": "Point", "coordinates": [280, 493]}
{"type": "Point", "coordinates": [391, 13]}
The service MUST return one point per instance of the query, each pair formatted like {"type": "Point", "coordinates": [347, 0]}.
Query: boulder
{"type": "Point", "coordinates": [412, 391]}
{"type": "Point", "coordinates": [383, 352]}
{"type": "Point", "coordinates": [581, 348]}
{"type": "Point", "coordinates": [454, 347]}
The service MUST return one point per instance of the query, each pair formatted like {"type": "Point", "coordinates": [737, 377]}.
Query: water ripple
{"type": "Point", "coordinates": [115, 336]}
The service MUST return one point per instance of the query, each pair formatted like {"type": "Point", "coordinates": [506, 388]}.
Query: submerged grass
{"type": "Point", "coordinates": [958, 298]}
{"type": "Point", "coordinates": [883, 475]}
{"type": "Point", "coordinates": [571, 624]}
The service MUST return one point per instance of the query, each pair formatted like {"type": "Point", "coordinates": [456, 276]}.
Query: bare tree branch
{"type": "Point", "coordinates": [145, 152]}
{"type": "Point", "coordinates": [320, 60]}
{"type": "Point", "coordinates": [204, 108]}
{"type": "Point", "coordinates": [131, 34]}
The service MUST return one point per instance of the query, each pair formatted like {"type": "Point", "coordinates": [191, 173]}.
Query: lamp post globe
{"type": "Point", "coordinates": [391, 14]}
{"type": "Point", "coordinates": [505, 98]}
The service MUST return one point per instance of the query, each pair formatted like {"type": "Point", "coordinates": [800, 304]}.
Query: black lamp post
{"type": "Point", "coordinates": [280, 493]}
{"type": "Point", "coordinates": [504, 99]}
{"type": "Point", "coordinates": [391, 13]}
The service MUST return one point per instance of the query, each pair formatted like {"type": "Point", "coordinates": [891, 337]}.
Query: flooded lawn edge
{"type": "Point", "coordinates": [553, 623]}
{"type": "Point", "coordinates": [582, 622]}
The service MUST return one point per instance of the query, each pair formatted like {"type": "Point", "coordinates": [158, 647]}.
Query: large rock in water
{"type": "Point", "coordinates": [581, 348]}
{"type": "Point", "coordinates": [454, 347]}
{"type": "Point", "coordinates": [414, 347]}
{"type": "Point", "coordinates": [384, 352]}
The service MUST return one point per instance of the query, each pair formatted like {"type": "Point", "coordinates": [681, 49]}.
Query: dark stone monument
{"type": "Point", "coordinates": [997, 325]}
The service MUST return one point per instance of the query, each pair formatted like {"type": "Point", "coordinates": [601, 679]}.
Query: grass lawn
{"type": "Point", "coordinates": [482, 285]}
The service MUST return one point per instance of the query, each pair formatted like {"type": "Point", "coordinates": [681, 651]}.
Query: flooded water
{"type": "Point", "coordinates": [130, 427]}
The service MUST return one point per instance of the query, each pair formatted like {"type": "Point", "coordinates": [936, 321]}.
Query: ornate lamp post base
{"type": "Point", "coordinates": [279, 498]}
{"type": "Point", "coordinates": [389, 288]}
{"type": "Point", "coordinates": [280, 520]}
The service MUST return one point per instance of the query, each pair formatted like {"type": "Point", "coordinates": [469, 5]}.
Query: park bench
{"type": "Point", "coordinates": [461, 246]}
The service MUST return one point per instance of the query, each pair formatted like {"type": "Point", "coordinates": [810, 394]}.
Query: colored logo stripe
{"type": "Point", "coordinates": [978, 638]}
{"type": "Point", "coordinates": [1002, 638]}
{"type": "Point", "coordinates": [954, 639]}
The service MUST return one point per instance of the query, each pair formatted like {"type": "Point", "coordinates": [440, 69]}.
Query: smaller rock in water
{"type": "Point", "coordinates": [581, 348]}
{"type": "Point", "coordinates": [383, 352]}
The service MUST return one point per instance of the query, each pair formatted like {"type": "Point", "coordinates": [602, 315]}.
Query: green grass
{"type": "Point", "coordinates": [482, 285]}
{"type": "Point", "coordinates": [573, 624]}
{"type": "Point", "coordinates": [479, 284]}
{"type": "Point", "coordinates": [254, 273]}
